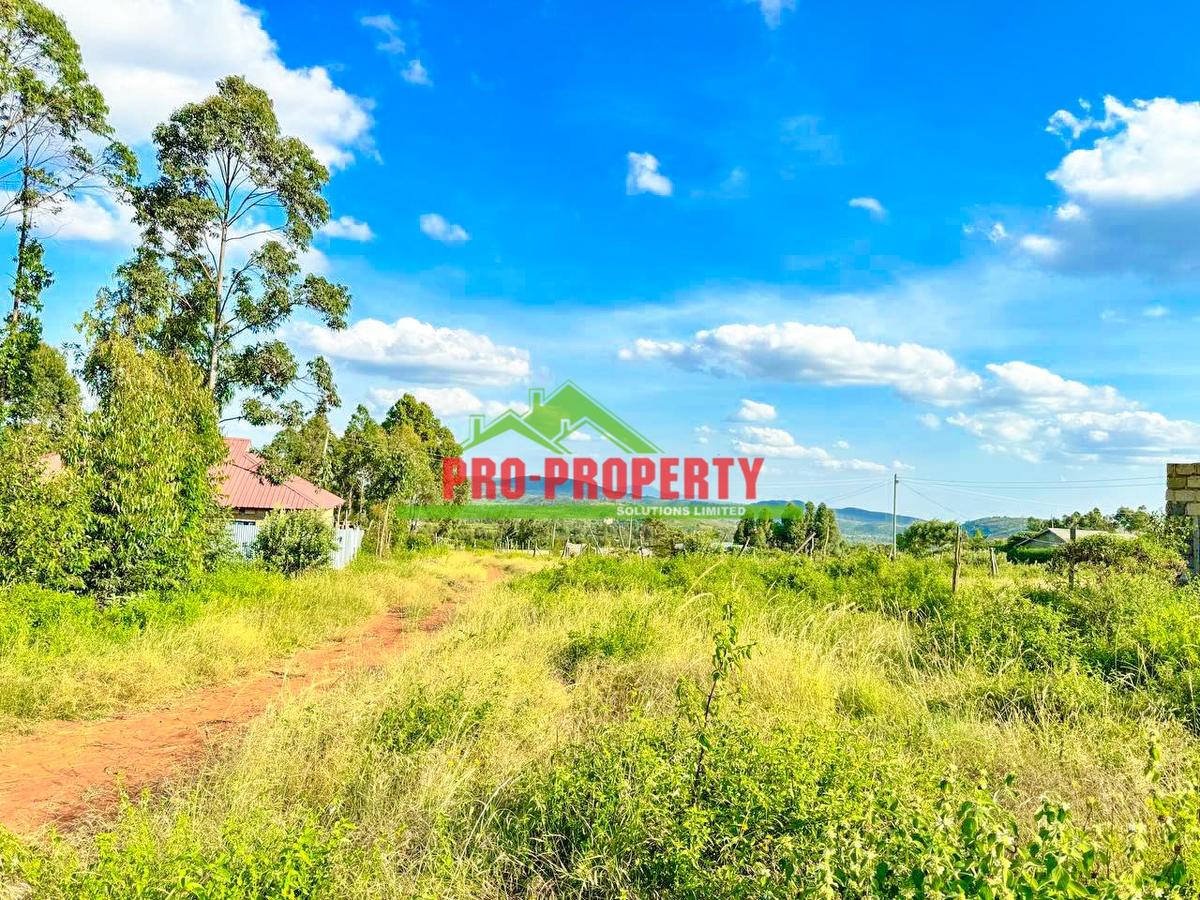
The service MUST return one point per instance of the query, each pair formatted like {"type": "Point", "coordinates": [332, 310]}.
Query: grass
{"type": "Point", "coordinates": [61, 657]}
{"type": "Point", "coordinates": [596, 729]}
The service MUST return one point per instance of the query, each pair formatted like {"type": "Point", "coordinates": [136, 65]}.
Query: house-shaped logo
{"type": "Point", "coordinates": [551, 420]}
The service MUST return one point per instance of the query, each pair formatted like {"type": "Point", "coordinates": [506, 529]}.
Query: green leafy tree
{"type": "Point", "coordinates": [825, 527]}
{"type": "Point", "coordinates": [791, 529]}
{"type": "Point", "coordinates": [292, 542]}
{"type": "Point", "coordinates": [52, 120]}
{"type": "Point", "coordinates": [147, 453]}
{"type": "Point", "coordinates": [43, 514]}
{"type": "Point", "coordinates": [48, 394]}
{"type": "Point", "coordinates": [928, 536]}
{"type": "Point", "coordinates": [224, 226]}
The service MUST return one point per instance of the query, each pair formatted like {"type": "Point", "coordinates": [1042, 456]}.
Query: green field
{"type": "Point", "coordinates": [707, 726]}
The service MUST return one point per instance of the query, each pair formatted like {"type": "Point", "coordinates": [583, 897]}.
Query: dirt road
{"type": "Point", "coordinates": [68, 770]}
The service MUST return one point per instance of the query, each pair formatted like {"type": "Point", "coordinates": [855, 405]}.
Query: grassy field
{"type": "Point", "coordinates": [63, 658]}
{"type": "Point", "coordinates": [707, 726]}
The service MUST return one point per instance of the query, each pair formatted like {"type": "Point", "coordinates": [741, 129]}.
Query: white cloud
{"type": "Point", "coordinates": [149, 57]}
{"type": "Point", "coordinates": [842, 445]}
{"type": "Point", "coordinates": [703, 434]}
{"type": "Point", "coordinates": [347, 228]}
{"type": "Point", "coordinates": [416, 73]}
{"type": "Point", "coordinates": [820, 354]}
{"type": "Point", "coordinates": [1156, 311]}
{"type": "Point", "coordinates": [1147, 155]}
{"type": "Point", "coordinates": [92, 219]}
{"type": "Point", "coordinates": [1033, 414]}
{"type": "Point", "coordinates": [930, 421]}
{"type": "Point", "coordinates": [1040, 245]}
{"type": "Point", "coordinates": [1023, 385]}
{"type": "Point", "coordinates": [437, 227]}
{"type": "Point", "coordinates": [871, 205]}
{"type": "Point", "coordinates": [776, 443]}
{"type": "Point", "coordinates": [418, 350]}
{"type": "Point", "coordinates": [389, 31]}
{"type": "Point", "coordinates": [447, 402]}
{"type": "Point", "coordinates": [643, 176]}
{"type": "Point", "coordinates": [1131, 193]}
{"type": "Point", "coordinates": [753, 411]}
{"type": "Point", "coordinates": [772, 10]}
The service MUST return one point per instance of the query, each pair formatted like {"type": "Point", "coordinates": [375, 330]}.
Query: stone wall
{"type": "Point", "coordinates": [1183, 489]}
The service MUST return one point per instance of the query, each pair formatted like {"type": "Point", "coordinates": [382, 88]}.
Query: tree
{"type": "Point", "coordinates": [791, 530]}
{"type": "Point", "coordinates": [43, 514]}
{"type": "Point", "coordinates": [48, 394]}
{"type": "Point", "coordinates": [51, 120]}
{"type": "Point", "coordinates": [147, 452]}
{"type": "Point", "coordinates": [294, 541]}
{"type": "Point", "coordinates": [1140, 519]}
{"type": "Point", "coordinates": [224, 225]}
{"type": "Point", "coordinates": [927, 536]}
{"type": "Point", "coordinates": [825, 527]}
{"type": "Point", "coordinates": [438, 441]}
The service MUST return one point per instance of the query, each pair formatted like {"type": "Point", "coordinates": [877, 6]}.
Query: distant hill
{"type": "Point", "coordinates": [996, 526]}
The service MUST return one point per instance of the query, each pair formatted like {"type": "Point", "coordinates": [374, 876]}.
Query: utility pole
{"type": "Point", "coordinates": [895, 491]}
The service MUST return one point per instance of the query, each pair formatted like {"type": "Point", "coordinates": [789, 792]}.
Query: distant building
{"type": "Point", "coordinates": [1056, 537]}
{"type": "Point", "coordinates": [251, 496]}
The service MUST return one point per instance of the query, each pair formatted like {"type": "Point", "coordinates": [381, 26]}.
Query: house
{"type": "Point", "coordinates": [1056, 537]}
{"type": "Point", "coordinates": [251, 496]}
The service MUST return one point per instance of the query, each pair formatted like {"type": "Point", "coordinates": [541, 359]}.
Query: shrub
{"type": "Point", "coordinates": [148, 450]}
{"type": "Point", "coordinates": [43, 515]}
{"type": "Point", "coordinates": [427, 718]}
{"type": "Point", "coordinates": [929, 536]}
{"type": "Point", "coordinates": [291, 542]}
{"type": "Point", "coordinates": [624, 638]}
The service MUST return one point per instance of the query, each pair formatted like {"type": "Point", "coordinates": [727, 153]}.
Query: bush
{"type": "Point", "coordinates": [148, 450]}
{"type": "Point", "coordinates": [291, 542]}
{"type": "Point", "coordinates": [43, 515]}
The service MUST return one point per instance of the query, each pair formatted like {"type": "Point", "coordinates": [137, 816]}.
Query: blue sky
{"type": "Point", "coordinates": [953, 242]}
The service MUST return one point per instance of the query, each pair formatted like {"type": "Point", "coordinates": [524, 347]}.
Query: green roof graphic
{"type": "Point", "coordinates": [551, 420]}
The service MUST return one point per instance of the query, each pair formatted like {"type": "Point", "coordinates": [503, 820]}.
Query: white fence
{"type": "Point", "coordinates": [349, 541]}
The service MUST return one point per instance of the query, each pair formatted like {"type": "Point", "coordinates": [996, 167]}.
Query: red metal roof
{"type": "Point", "coordinates": [243, 488]}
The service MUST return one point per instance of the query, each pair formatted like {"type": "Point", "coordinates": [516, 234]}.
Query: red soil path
{"type": "Point", "coordinates": [68, 770]}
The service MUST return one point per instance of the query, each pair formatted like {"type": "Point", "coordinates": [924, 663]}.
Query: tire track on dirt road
{"type": "Point", "coordinates": [66, 771]}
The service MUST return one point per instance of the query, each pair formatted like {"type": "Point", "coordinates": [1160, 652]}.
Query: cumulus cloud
{"type": "Point", "coordinates": [643, 176]}
{"type": "Point", "coordinates": [1131, 193]}
{"type": "Point", "coordinates": [447, 402]}
{"type": "Point", "coordinates": [818, 354]}
{"type": "Point", "coordinates": [347, 228]}
{"type": "Point", "coordinates": [416, 73]}
{"type": "Point", "coordinates": [418, 350]}
{"type": "Point", "coordinates": [150, 57]}
{"type": "Point", "coordinates": [703, 434]}
{"type": "Point", "coordinates": [93, 219]}
{"type": "Point", "coordinates": [437, 227]}
{"type": "Point", "coordinates": [775, 443]}
{"type": "Point", "coordinates": [871, 205]}
{"type": "Point", "coordinates": [753, 411]}
{"type": "Point", "coordinates": [1034, 414]}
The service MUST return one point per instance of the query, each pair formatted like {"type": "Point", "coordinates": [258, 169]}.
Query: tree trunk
{"type": "Point", "coordinates": [22, 245]}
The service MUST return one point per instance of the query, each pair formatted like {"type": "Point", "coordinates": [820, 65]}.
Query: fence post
{"type": "Point", "coordinates": [957, 559]}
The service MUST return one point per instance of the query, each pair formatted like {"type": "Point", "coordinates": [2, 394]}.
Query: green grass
{"type": "Point", "coordinates": [63, 657]}
{"type": "Point", "coordinates": [565, 737]}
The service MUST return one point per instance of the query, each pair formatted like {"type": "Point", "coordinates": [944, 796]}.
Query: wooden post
{"type": "Point", "coordinates": [957, 559]}
{"type": "Point", "coordinates": [895, 490]}
{"type": "Point", "coordinates": [1071, 566]}
{"type": "Point", "coordinates": [995, 568]}
{"type": "Point", "coordinates": [1195, 546]}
